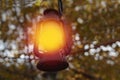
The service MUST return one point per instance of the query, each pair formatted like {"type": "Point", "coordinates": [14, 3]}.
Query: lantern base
{"type": "Point", "coordinates": [52, 66]}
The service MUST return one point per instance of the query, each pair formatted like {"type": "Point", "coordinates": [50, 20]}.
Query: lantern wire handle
{"type": "Point", "coordinates": [60, 7]}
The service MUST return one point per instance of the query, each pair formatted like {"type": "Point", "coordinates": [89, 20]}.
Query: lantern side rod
{"type": "Point", "coordinates": [60, 7]}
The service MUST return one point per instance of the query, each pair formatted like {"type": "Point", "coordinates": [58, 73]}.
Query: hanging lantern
{"type": "Point", "coordinates": [52, 42]}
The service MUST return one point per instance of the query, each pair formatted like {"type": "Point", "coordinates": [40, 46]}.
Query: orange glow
{"type": "Point", "coordinates": [50, 35]}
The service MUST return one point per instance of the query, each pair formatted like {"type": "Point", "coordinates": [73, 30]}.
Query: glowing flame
{"type": "Point", "coordinates": [50, 35]}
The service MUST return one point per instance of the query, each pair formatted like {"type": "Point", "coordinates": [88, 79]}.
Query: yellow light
{"type": "Point", "coordinates": [50, 35]}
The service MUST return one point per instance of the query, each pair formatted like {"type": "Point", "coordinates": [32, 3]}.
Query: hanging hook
{"type": "Point", "coordinates": [60, 7]}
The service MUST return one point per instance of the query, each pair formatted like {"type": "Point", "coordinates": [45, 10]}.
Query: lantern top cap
{"type": "Point", "coordinates": [51, 12]}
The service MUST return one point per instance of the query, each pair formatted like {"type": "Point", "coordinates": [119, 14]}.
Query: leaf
{"type": "Point", "coordinates": [38, 2]}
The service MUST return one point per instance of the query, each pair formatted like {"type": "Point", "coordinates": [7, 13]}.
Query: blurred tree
{"type": "Point", "coordinates": [96, 50]}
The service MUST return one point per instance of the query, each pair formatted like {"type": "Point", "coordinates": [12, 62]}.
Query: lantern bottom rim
{"type": "Point", "coordinates": [52, 66]}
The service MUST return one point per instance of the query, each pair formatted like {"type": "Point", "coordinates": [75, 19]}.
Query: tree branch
{"type": "Point", "coordinates": [110, 42]}
{"type": "Point", "coordinates": [85, 74]}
